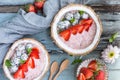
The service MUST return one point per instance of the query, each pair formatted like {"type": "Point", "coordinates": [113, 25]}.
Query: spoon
{"type": "Point", "coordinates": [54, 68]}
{"type": "Point", "coordinates": [63, 66]}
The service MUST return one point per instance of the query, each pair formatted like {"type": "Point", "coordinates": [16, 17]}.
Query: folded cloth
{"type": "Point", "coordinates": [28, 23]}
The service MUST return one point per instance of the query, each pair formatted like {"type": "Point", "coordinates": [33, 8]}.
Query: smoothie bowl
{"type": "Point", "coordinates": [27, 59]}
{"type": "Point", "coordinates": [76, 29]}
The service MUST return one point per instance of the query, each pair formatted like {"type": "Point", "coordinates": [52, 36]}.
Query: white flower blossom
{"type": "Point", "coordinates": [110, 54]}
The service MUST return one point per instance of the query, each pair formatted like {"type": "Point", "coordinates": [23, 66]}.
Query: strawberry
{"type": "Point", "coordinates": [81, 77]}
{"type": "Point", "coordinates": [87, 72]}
{"type": "Point", "coordinates": [39, 4]}
{"type": "Point", "coordinates": [100, 75]}
{"type": "Point", "coordinates": [80, 28]}
{"type": "Point", "coordinates": [86, 21]}
{"type": "Point", "coordinates": [35, 53]}
{"type": "Point", "coordinates": [30, 62]}
{"type": "Point", "coordinates": [24, 67]}
{"type": "Point", "coordinates": [86, 27]}
{"type": "Point", "coordinates": [19, 74]}
{"type": "Point", "coordinates": [73, 30]}
{"type": "Point", "coordinates": [30, 8]}
{"type": "Point", "coordinates": [76, 28]}
{"type": "Point", "coordinates": [93, 65]}
{"type": "Point", "coordinates": [65, 34]}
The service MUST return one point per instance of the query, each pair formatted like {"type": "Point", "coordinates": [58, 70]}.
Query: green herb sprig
{"type": "Point", "coordinates": [29, 50]}
{"type": "Point", "coordinates": [113, 37]}
{"type": "Point", "coordinates": [72, 20]}
{"type": "Point", "coordinates": [22, 61]}
{"type": "Point", "coordinates": [8, 63]}
{"type": "Point", "coordinates": [77, 60]}
{"type": "Point", "coordinates": [81, 12]}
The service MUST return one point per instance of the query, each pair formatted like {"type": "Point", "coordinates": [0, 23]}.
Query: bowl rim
{"type": "Point", "coordinates": [61, 46]}
{"type": "Point", "coordinates": [27, 39]}
{"type": "Point", "coordinates": [90, 59]}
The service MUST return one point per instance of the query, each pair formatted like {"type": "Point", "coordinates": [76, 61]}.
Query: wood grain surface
{"type": "Point", "coordinates": [110, 17]}
{"type": "Point", "coordinates": [96, 7]}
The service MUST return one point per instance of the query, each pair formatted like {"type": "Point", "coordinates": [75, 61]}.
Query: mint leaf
{"type": "Point", "coordinates": [71, 55]}
{"type": "Point", "coordinates": [29, 50]}
{"type": "Point", "coordinates": [22, 61]}
{"type": "Point", "coordinates": [72, 20]}
{"type": "Point", "coordinates": [113, 37]}
{"type": "Point", "coordinates": [8, 63]}
{"type": "Point", "coordinates": [111, 40]}
{"type": "Point", "coordinates": [81, 12]}
{"type": "Point", "coordinates": [63, 19]}
{"type": "Point", "coordinates": [78, 60]}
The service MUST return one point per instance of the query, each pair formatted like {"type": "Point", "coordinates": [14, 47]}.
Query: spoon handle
{"type": "Point", "coordinates": [57, 75]}
{"type": "Point", "coordinates": [50, 77]}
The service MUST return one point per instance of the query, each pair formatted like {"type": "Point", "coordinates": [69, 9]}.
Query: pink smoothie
{"type": "Point", "coordinates": [81, 40]}
{"type": "Point", "coordinates": [37, 71]}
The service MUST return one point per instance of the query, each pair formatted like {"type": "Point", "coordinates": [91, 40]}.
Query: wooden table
{"type": "Point", "coordinates": [111, 23]}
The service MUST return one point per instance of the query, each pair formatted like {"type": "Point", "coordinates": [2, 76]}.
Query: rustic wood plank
{"type": "Point", "coordinates": [106, 8]}
{"type": "Point", "coordinates": [10, 9]}
{"type": "Point", "coordinates": [114, 75]}
{"type": "Point", "coordinates": [97, 7]}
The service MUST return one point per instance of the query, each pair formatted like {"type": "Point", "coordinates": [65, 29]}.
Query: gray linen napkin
{"type": "Point", "coordinates": [29, 23]}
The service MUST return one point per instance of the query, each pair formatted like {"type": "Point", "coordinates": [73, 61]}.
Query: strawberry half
{"type": "Point", "coordinates": [24, 67]}
{"type": "Point", "coordinates": [65, 34]}
{"type": "Point", "coordinates": [87, 72]}
{"type": "Point", "coordinates": [100, 75]}
{"type": "Point", "coordinates": [86, 27]}
{"type": "Point", "coordinates": [76, 28]}
{"type": "Point", "coordinates": [35, 53]}
{"type": "Point", "coordinates": [93, 65]}
{"type": "Point", "coordinates": [79, 28]}
{"type": "Point", "coordinates": [39, 4]}
{"type": "Point", "coordinates": [73, 30]}
{"type": "Point", "coordinates": [86, 21]}
{"type": "Point", "coordinates": [30, 8]}
{"type": "Point", "coordinates": [81, 77]}
{"type": "Point", "coordinates": [19, 74]}
{"type": "Point", "coordinates": [30, 62]}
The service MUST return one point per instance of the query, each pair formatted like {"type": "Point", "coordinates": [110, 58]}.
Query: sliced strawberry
{"type": "Point", "coordinates": [93, 65]}
{"type": "Point", "coordinates": [35, 53]}
{"type": "Point", "coordinates": [24, 67]}
{"type": "Point", "coordinates": [80, 28]}
{"type": "Point", "coordinates": [100, 75]}
{"type": "Point", "coordinates": [65, 34]}
{"type": "Point", "coordinates": [30, 62]}
{"type": "Point", "coordinates": [81, 77]}
{"type": "Point", "coordinates": [86, 21]}
{"type": "Point", "coordinates": [76, 28]}
{"type": "Point", "coordinates": [86, 27]}
{"type": "Point", "coordinates": [73, 30]}
{"type": "Point", "coordinates": [19, 74]}
{"type": "Point", "coordinates": [30, 8]}
{"type": "Point", "coordinates": [39, 3]}
{"type": "Point", "coordinates": [87, 72]}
